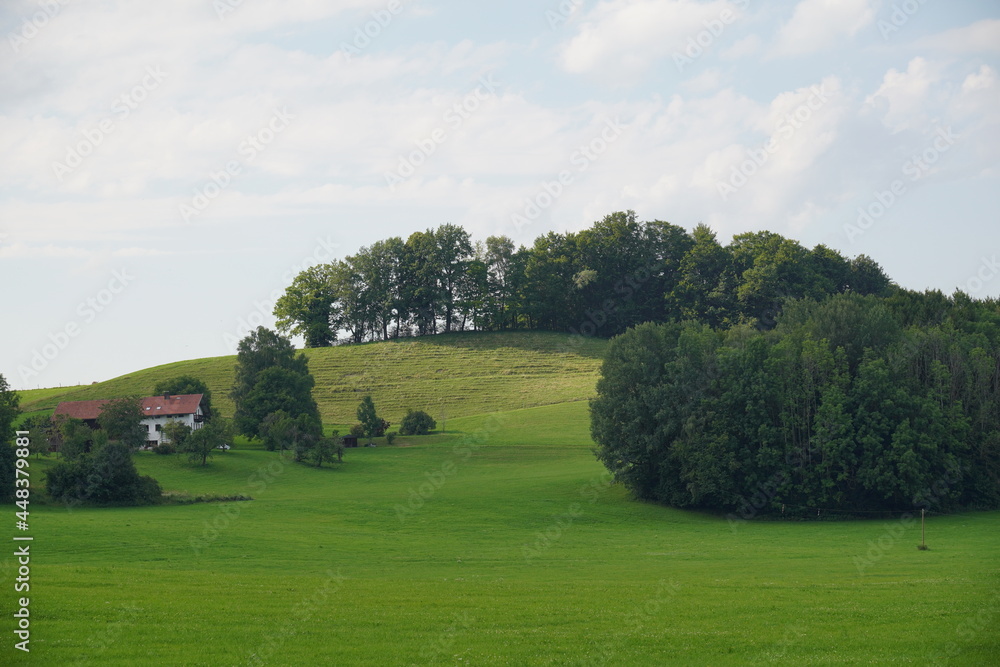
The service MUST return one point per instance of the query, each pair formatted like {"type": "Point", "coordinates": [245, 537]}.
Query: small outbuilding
{"type": "Point", "coordinates": [349, 441]}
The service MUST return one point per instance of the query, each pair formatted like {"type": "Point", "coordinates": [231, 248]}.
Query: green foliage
{"type": "Point", "coordinates": [9, 410]}
{"type": "Point", "coordinates": [121, 419]}
{"type": "Point", "coordinates": [390, 437]}
{"type": "Point", "coordinates": [108, 476]}
{"type": "Point", "coordinates": [326, 450]}
{"type": "Point", "coordinates": [165, 449]}
{"type": "Point", "coordinates": [73, 437]}
{"type": "Point", "coordinates": [273, 429]}
{"type": "Point", "coordinates": [42, 429]}
{"type": "Point", "coordinates": [417, 422]}
{"type": "Point", "coordinates": [8, 466]}
{"type": "Point", "coordinates": [184, 385]}
{"type": "Point", "coordinates": [309, 306]}
{"type": "Point", "coordinates": [297, 434]}
{"type": "Point", "coordinates": [176, 433]}
{"type": "Point", "coordinates": [838, 407]}
{"type": "Point", "coordinates": [270, 377]}
{"type": "Point", "coordinates": [202, 444]}
{"type": "Point", "coordinates": [618, 273]}
{"type": "Point", "coordinates": [369, 419]}
{"type": "Point", "coordinates": [357, 430]}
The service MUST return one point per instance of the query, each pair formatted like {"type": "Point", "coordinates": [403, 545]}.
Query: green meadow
{"type": "Point", "coordinates": [453, 375]}
{"type": "Point", "coordinates": [497, 542]}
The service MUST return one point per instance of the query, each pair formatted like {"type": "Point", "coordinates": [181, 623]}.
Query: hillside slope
{"type": "Point", "coordinates": [452, 375]}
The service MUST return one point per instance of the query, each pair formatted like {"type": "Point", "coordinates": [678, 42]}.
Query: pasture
{"type": "Point", "coordinates": [499, 542]}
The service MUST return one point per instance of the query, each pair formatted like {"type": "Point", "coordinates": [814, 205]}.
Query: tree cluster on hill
{"type": "Point", "coordinates": [274, 402]}
{"type": "Point", "coordinates": [599, 281]}
{"type": "Point", "coordinates": [852, 403]}
{"type": "Point", "coordinates": [270, 378]}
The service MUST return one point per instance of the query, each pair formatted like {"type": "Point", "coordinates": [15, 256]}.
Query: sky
{"type": "Point", "coordinates": [166, 169]}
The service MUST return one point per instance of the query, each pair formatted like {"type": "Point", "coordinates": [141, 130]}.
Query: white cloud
{"type": "Point", "coordinates": [743, 48]}
{"type": "Point", "coordinates": [980, 37]}
{"type": "Point", "coordinates": [621, 39]}
{"type": "Point", "coordinates": [903, 98]}
{"type": "Point", "coordinates": [818, 25]}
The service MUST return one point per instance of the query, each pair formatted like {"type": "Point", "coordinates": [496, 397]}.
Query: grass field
{"type": "Point", "coordinates": [517, 553]}
{"type": "Point", "coordinates": [498, 542]}
{"type": "Point", "coordinates": [450, 375]}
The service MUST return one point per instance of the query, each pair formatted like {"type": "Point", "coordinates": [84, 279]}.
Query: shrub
{"type": "Point", "coordinates": [358, 431]}
{"type": "Point", "coordinates": [164, 449]}
{"type": "Point", "coordinates": [390, 437]}
{"type": "Point", "coordinates": [417, 422]}
{"type": "Point", "coordinates": [108, 476]}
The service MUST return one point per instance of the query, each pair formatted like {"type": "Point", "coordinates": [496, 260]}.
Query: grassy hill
{"type": "Point", "coordinates": [452, 375]}
{"type": "Point", "coordinates": [497, 542]}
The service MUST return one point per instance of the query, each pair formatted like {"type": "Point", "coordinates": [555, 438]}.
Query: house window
{"type": "Point", "coordinates": [159, 427]}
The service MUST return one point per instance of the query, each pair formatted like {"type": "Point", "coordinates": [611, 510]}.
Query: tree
{"type": "Point", "coordinates": [270, 377]}
{"type": "Point", "coordinates": [706, 281]}
{"type": "Point", "coordinates": [554, 298]}
{"type": "Point", "coordinates": [8, 466]}
{"type": "Point", "coordinates": [501, 271]}
{"type": "Point", "coordinates": [73, 437]}
{"type": "Point", "coordinates": [420, 273]}
{"type": "Point", "coordinates": [121, 419]}
{"type": "Point", "coordinates": [310, 306]}
{"type": "Point", "coordinates": [184, 385]}
{"type": "Point", "coordinates": [375, 273]}
{"type": "Point", "coordinates": [176, 434]}
{"type": "Point", "coordinates": [326, 449]}
{"type": "Point", "coordinates": [298, 434]}
{"type": "Point", "coordinates": [369, 418]}
{"type": "Point", "coordinates": [454, 249]}
{"type": "Point", "coordinates": [41, 427]}
{"type": "Point", "coordinates": [836, 407]}
{"type": "Point", "coordinates": [202, 443]}
{"type": "Point", "coordinates": [272, 430]}
{"type": "Point", "coordinates": [9, 410]}
{"type": "Point", "coordinates": [106, 476]}
{"type": "Point", "coordinates": [417, 422]}
{"type": "Point", "coordinates": [10, 402]}
{"type": "Point", "coordinates": [306, 432]}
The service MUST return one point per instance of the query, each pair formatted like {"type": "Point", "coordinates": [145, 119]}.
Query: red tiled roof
{"type": "Point", "coordinates": [80, 409]}
{"type": "Point", "coordinates": [185, 404]}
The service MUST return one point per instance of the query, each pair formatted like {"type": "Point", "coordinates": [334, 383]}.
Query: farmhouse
{"type": "Point", "coordinates": [158, 410]}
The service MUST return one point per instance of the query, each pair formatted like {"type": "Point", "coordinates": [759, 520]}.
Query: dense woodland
{"type": "Point", "coordinates": [600, 281]}
{"type": "Point", "coordinates": [855, 403]}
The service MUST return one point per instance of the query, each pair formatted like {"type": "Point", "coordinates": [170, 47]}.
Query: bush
{"type": "Point", "coordinates": [390, 437]}
{"type": "Point", "coordinates": [358, 431]}
{"type": "Point", "coordinates": [417, 422]}
{"type": "Point", "coordinates": [164, 449]}
{"type": "Point", "coordinates": [108, 476]}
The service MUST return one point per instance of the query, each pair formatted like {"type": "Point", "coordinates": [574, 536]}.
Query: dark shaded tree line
{"type": "Point", "coordinates": [599, 281]}
{"type": "Point", "coordinates": [857, 403]}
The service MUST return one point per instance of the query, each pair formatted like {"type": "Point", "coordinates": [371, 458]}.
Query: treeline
{"type": "Point", "coordinates": [854, 403]}
{"type": "Point", "coordinates": [599, 281]}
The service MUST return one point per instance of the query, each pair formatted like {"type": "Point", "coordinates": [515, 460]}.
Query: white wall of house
{"type": "Point", "coordinates": [155, 423]}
